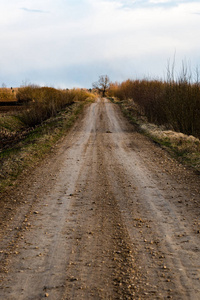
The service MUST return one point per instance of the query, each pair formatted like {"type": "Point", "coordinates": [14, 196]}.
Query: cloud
{"type": "Point", "coordinates": [80, 40]}
{"type": "Point", "coordinates": [33, 10]}
{"type": "Point", "coordinates": [138, 4]}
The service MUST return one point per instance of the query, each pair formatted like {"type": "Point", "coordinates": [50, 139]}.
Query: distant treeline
{"type": "Point", "coordinates": [174, 103]}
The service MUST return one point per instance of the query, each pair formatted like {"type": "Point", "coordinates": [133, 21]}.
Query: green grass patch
{"type": "Point", "coordinates": [10, 123]}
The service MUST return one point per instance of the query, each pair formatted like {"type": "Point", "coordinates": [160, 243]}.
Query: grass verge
{"type": "Point", "coordinates": [186, 149]}
{"type": "Point", "coordinates": [36, 145]}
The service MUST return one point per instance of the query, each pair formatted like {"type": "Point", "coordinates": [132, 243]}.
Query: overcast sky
{"type": "Point", "coordinates": [69, 43]}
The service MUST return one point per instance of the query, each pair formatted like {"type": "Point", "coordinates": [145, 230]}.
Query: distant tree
{"type": "Point", "coordinates": [102, 84]}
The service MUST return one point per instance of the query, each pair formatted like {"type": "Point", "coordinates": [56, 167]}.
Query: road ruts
{"type": "Point", "coordinates": [109, 215]}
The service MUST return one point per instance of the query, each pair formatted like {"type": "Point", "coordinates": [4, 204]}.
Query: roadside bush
{"type": "Point", "coordinates": [45, 102]}
{"type": "Point", "coordinates": [175, 104]}
{"type": "Point", "coordinates": [27, 94]}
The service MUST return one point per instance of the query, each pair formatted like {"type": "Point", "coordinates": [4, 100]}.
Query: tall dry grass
{"type": "Point", "coordinates": [173, 103]}
{"type": "Point", "coordinates": [45, 102]}
{"type": "Point", "coordinates": [7, 95]}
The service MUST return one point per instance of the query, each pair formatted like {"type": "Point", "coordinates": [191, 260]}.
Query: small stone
{"type": "Point", "coordinates": [46, 295]}
{"type": "Point", "coordinates": [164, 267]}
{"type": "Point", "coordinates": [73, 279]}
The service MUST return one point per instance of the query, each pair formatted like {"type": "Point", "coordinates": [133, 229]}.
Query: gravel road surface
{"type": "Point", "coordinates": [108, 215]}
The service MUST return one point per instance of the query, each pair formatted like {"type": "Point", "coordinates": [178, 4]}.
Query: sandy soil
{"type": "Point", "coordinates": [109, 215]}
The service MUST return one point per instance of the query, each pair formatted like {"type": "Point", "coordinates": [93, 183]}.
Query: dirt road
{"type": "Point", "coordinates": [109, 215]}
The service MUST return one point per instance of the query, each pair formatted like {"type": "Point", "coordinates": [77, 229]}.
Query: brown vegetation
{"type": "Point", "coordinates": [175, 104]}
{"type": "Point", "coordinates": [45, 102]}
{"type": "Point", "coordinates": [7, 95]}
{"type": "Point", "coordinates": [36, 106]}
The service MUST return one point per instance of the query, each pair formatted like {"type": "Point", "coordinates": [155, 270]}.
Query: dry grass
{"type": "Point", "coordinates": [186, 148]}
{"type": "Point", "coordinates": [173, 104]}
{"type": "Point", "coordinates": [43, 103]}
{"type": "Point", "coordinates": [8, 95]}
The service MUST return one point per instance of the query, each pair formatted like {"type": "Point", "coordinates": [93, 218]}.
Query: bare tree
{"type": "Point", "coordinates": [102, 84]}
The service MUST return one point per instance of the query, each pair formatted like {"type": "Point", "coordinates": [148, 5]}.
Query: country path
{"type": "Point", "coordinates": [108, 215]}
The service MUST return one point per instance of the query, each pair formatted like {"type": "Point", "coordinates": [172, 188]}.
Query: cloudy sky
{"type": "Point", "coordinates": [69, 43]}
